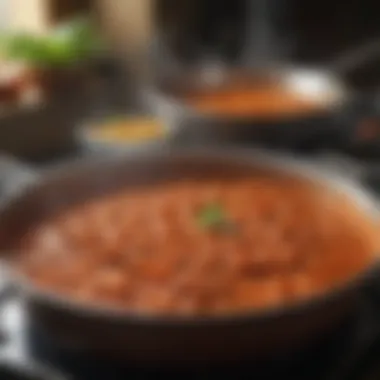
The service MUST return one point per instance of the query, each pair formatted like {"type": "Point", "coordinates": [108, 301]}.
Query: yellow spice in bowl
{"type": "Point", "coordinates": [132, 130]}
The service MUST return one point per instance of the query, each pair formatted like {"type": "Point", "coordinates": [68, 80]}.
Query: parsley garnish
{"type": "Point", "coordinates": [213, 217]}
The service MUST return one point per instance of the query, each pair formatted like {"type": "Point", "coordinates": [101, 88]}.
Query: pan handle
{"type": "Point", "coordinates": [15, 176]}
{"type": "Point", "coordinates": [356, 58]}
{"type": "Point", "coordinates": [358, 125]}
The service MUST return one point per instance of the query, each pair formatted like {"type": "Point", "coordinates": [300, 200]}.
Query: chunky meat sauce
{"type": "Point", "coordinates": [195, 247]}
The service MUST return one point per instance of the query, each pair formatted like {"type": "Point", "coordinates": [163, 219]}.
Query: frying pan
{"type": "Point", "coordinates": [335, 122]}
{"type": "Point", "coordinates": [171, 341]}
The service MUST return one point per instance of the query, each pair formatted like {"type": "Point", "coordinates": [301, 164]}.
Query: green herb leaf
{"type": "Point", "coordinates": [70, 43]}
{"type": "Point", "coordinates": [213, 216]}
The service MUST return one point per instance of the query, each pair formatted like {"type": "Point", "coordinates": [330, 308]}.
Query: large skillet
{"type": "Point", "coordinates": [150, 340]}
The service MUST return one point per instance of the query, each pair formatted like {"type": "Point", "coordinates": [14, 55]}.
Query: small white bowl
{"type": "Point", "coordinates": [96, 145]}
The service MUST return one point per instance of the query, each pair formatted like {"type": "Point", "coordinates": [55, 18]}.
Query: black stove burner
{"type": "Point", "coordinates": [344, 355]}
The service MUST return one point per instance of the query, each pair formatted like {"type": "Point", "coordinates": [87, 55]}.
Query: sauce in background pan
{"type": "Point", "coordinates": [266, 101]}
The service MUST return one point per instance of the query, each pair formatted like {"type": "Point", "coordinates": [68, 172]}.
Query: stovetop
{"type": "Point", "coordinates": [352, 352]}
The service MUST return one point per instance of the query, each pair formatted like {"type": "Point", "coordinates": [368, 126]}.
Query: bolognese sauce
{"type": "Point", "coordinates": [195, 247]}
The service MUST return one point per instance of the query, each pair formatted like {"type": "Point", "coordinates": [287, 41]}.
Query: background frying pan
{"type": "Point", "coordinates": [335, 124]}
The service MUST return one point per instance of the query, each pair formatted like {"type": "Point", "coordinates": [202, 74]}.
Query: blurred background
{"type": "Point", "coordinates": [50, 84]}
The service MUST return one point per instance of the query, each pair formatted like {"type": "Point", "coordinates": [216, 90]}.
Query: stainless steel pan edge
{"type": "Point", "coordinates": [15, 178]}
{"type": "Point", "coordinates": [102, 167]}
